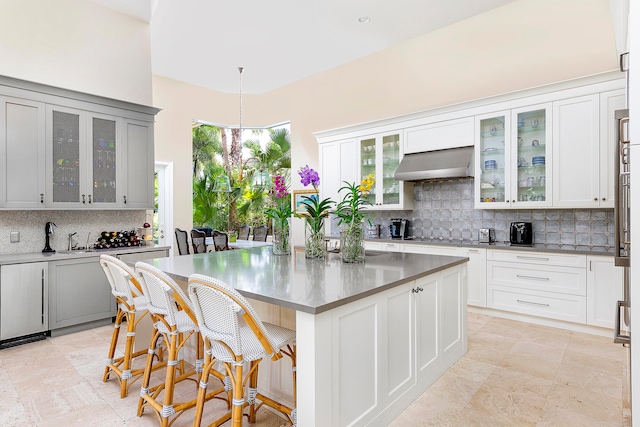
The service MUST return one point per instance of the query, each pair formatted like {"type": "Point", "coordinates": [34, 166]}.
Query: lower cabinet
{"type": "Point", "coordinates": [604, 290]}
{"type": "Point", "coordinates": [79, 292]}
{"type": "Point", "coordinates": [23, 299]}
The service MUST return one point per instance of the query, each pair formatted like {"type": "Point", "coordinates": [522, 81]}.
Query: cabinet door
{"type": "Point", "coordinates": [439, 135]}
{"type": "Point", "coordinates": [79, 293]}
{"type": "Point", "coordinates": [428, 318]}
{"type": "Point", "coordinates": [476, 276]}
{"type": "Point", "coordinates": [23, 299]}
{"type": "Point", "coordinates": [576, 152]}
{"type": "Point", "coordinates": [604, 290]}
{"type": "Point", "coordinates": [330, 180]}
{"type": "Point", "coordinates": [103, 161]}
{"type": "Point", "coordinates": [531, 160]}
{"type": "Point", "coordinates": [22, 153]}
{"type": "Point", "coordinates": [609, 103]}
{"type": "Point", "coordinates": [137, 163]}
{"type": "Point", "coordinates": [492, 184]}
{"type": "Point", "coordinates": [66, 157]}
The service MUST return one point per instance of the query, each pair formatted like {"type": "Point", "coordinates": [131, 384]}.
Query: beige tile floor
{"type": "Point", "coordinates": [514, 374]}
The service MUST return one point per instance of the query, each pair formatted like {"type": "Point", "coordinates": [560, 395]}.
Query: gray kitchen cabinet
{"type": "Point", "coordinates": [79, 292]}
{"type": "Point", "coordinates": [137, 165]}
{"type": "Point", "coordinates": [22, 153]}
{"type": "Point", "coordinates": [23, 299]}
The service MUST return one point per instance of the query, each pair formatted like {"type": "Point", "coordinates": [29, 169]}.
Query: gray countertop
{"type": "Point", "coordinates": [61, 256]}
{"type": "Point", "coordinates": [308, 285]}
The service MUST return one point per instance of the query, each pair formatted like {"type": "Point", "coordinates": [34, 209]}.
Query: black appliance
{"type": "Point", "coordinates": [521, 234]}
{"type": "Point", "coordinates": [398, 228]}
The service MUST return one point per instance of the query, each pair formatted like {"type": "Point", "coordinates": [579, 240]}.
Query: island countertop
{"type": "Point", "coordinates": [308, 285]}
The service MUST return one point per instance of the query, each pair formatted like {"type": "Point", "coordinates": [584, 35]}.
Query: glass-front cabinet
{"type": "Point", "coordinates": [81, 159]}
{"type": "Point", "coordinates": [380, 156]}
{"type": "Point", "coordinates": [513, 150]}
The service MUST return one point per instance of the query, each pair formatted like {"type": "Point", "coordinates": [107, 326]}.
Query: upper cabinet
{"type": "Point", "coordinates": [439, 135]}
{"type": "Point", "coordinates": [380, 156]}
{"type": "Point", "coordinates": [67, 152]}
{"type": "Point", "coordinates": [337, 166]}
{"type": "Point", "coordinates": [513, 150]}
{"type": "Point", "coordinates": [22, 153]}
{"type": "Point", "coordinates": [583, 152]}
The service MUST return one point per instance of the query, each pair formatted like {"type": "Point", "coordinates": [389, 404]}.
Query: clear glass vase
{"type": "Point", "coordinates": [314, 246]}
{"type": "Point", "coordinates": [281, 237]}
{"type": "Point", "coordinates": [352, 242]}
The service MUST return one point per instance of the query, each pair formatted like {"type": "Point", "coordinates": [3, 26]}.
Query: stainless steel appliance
{"type": "Point", "coordinates": [398, 228]}
{"type": "Point", "coordinates": [373, 231]}
{"type": "Point", "coordinates": [622, 214]}
{"type": "Point", "coordinates": [486, 235]}
{"type": "Point", "coordinates": [521, 233]}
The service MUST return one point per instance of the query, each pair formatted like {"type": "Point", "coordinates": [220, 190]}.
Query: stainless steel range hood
{"type": "Point", "coordinates": [449, 163]}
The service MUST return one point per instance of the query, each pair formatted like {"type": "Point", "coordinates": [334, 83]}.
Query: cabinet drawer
{"type": "Point", "coordinates": [542, 258]}
{"type": "Point", "coordinates": [432, 250]}
{"type": "Point", "coordinates": [391, 247]}
{"type": "Point", "coordinates": [372, 246]}
{"type": "Point", "coordinates": [572, 308]}
{"type": "Point", "coordinates": [542, 278]}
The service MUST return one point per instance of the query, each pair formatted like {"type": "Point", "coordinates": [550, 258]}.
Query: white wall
{"type": "Point", "coordinates": [76, 44]}
{"type": "Point", "coordinates": [523, 44]}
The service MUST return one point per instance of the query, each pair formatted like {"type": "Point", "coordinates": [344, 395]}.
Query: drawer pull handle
{"type": "Point", "coordinates": [533, 303]}
{"type": "Point", "coordinates": [533, 258]}
{"type": "Point", "coordinates": [475, 251]}
{"type": "Point", "coordinates": [519, 276]}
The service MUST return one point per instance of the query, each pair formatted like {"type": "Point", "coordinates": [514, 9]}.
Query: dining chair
{"type": "Point", "coordinates": [182, 239]}
{"type": "Point", "coordinates": [220, 241]}
{"type": "Point", "coordinates": [207, 231]}
{"type": "Point", "coordinates": [243, 232]}
{"type": "Point", "coordinates": [233, 334]}
{"type": "Point", "coordinates": [198, 241]}
{"type": "Point", "coordinates": [175, 322]}
{"type": "Point", "coordinates": [260, 233]}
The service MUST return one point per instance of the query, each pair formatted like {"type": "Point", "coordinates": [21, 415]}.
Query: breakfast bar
{"type": "Point", "coordinates": [371, 337]}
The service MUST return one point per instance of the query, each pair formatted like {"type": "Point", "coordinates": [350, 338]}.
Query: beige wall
{"type": "Point", "coordinates": [76, 44]}
{"type": "Point", "coordinates": [523, 44]}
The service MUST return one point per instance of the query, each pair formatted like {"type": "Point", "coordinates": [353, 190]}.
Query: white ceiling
{"type": "Point", "coordinates": [203, 42]}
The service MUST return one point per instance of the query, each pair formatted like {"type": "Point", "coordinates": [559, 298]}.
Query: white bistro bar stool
{"type": "Point", "coordinates": [234, 334]}
{"type": "Point", "coordinates": [132, 307]}
{"type": "Point", "coordinates": [174, 320]}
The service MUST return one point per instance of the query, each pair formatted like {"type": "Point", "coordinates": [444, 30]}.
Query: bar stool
{"type": "Point", "coordinates": [128, 294]}
{"type": "Point", "coordinates": [218, 308]}
{"type": "Point", "coordinates": [173, 317]}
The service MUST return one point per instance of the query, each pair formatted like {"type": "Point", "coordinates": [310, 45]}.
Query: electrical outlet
{"type": "Point", "coordinates": [15, 236]}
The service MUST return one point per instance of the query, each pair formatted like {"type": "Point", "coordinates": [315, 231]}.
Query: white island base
{"type": "Point", "coordinates": [365, 362]}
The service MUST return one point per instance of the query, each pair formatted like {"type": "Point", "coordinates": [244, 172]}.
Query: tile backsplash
{"type": "Point", "coordinates": [444, 210]}
{"type": "Point", "coordinates": [30, 224]}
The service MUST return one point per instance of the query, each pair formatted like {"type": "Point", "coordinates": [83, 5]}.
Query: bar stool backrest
{"type": "Point", "coordinates": [217, 308]}
{"type": "Point", "coordinates": [122, 279]}
{"type": "Point", "coordinates": [165, 296]}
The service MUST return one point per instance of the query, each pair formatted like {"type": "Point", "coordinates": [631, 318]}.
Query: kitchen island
{"type": "Point", "coordinates": [371, 337]}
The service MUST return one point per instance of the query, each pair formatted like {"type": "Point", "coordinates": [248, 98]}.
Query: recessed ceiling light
{"type": "Point", "coordinates": [363, 19]}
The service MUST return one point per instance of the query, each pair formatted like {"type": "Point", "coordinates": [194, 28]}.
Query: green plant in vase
{"type": "Point", "coordinates": [316, 212]}
{"type": "Point", "coordinates": [352, 218]}
{"type": "Point", "coordinates": [281, 217]}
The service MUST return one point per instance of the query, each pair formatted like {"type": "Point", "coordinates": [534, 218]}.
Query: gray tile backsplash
{"type": "Point", "coordinates": [444, 210]}
{"type": "Point", "coordinates": [30, 224]}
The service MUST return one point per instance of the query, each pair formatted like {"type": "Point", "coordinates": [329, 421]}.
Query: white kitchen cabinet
{"type": "Point", "coordinates": [380, 156]}
{"type": "Point", "coordinates": [23, 299]}
{"type": "Point", "coordinates": [22, 153]}
{"type": "Point", "coordinates": [513, 158]}
{"type": "Point", "coordinates": [439, 135]}
{"type": "Point", "coordinates": [604, 290]}
{"type": "Point", "coordinates": [338, 163]}
{"type": "Point", "coordinates": [539, 284]}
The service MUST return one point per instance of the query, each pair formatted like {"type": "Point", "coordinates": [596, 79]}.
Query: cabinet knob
{"type": "Point", "coordinates": [83, 199]}
{"type": "Point", "coordinates": [41, 197]}
{"type": "Point", "coordinates": [595, 199]}
{"type": "Point", "coordinates": [89, 198]}
{"type": "Point", "coordinates": [125, 199]}
{"type": "Point", "coordinates": [513, 201]}
{"type": "Point", "coordinates": [604, 198]}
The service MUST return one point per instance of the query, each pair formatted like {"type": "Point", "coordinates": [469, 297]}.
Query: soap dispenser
{"type": "Point", "coordinates": [48, 231]}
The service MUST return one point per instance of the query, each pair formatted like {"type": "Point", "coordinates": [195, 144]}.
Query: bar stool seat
{"type": "Point", "coordinates": [234, 335]}
{"type": "Point", "coordinates": [132, 307]}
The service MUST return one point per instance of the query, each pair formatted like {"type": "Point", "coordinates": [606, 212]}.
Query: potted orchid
{"type": "Point", "coordinates": [281, 217]}
{"type": "Point", "coordinates": [352, 218]}
{"type": "Point", "coordinates": [316, 211]}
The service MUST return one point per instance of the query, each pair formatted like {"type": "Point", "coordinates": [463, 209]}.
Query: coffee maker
{"type": "Point", "coordinates": [398, 228]}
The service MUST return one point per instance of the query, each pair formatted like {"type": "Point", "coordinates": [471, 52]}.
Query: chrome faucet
{"type": "Point", "coordinates": [71, 240]}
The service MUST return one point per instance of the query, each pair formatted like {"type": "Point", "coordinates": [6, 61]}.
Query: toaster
{"type": "Point", "coordinates": [521, 234]}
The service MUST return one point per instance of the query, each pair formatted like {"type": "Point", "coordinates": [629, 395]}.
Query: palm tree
{"type": "Point", "coordinates": [206, 144]}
